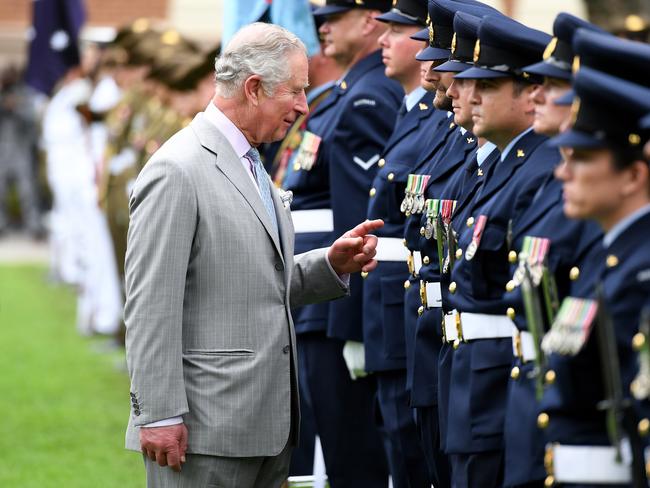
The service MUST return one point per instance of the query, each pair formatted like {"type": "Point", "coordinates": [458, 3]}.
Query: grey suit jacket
{"type": "Point", "coordinates": [209, 286]}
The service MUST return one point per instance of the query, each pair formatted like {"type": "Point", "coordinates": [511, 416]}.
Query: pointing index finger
{"type": "Point", "coordinates": [366, 227]}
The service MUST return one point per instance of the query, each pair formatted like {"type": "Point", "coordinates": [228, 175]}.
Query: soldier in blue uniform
{"type": "Point", "coordinates": [544, 236]}
{"type": "Point", "coordinates": [383, 293]}
{"type": "Point", "coordinates": [605, 178]}
{"type": "Point", "coordinates": [331, 174]}
{"type": "Point", "coordinates": [474, 155]}
{"type": "Point", "coordinates": [476, 322]}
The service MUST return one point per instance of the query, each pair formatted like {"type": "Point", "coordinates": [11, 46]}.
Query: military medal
{"type": "Point", "coordinates": [571, 327]}
{"type": "Point", "coordinates": [408, 196]}
{"type": "Point", "coordinates": [432, 206]}
{"type": "Point", "coordinates": [533, 254]}
{"type": "Point", "coordinates": [448, 207]}
{"type": "Point", "coordinates": [470, 252]}
{"type": "Point", "coordinates": [308, 151]}
{"type": "Point", "coordinates": [420, 185]}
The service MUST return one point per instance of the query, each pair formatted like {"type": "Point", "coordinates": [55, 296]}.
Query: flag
{"type": "Point", "coordinates": [54, 47]}
{"type": "Point", "coordinates": [293, 15]}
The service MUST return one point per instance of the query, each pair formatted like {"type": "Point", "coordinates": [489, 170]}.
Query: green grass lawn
{"type": "Point", "coordinates": [63, 407]}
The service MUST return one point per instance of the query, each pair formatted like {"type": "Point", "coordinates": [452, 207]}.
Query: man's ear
{"type": "Point", "coordinates": [638, 177]}
{"type": "Point", "coordinates": [253, 89]}
{"type": "Point", "coordinates": [370, 25]}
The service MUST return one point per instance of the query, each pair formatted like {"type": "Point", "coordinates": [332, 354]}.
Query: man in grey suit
{"type": "Point", "coordinates": [211, 276]}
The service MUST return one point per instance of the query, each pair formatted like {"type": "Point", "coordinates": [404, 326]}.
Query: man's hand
{"type": "Point", "coordinates": [165, 445]}
{"type": "Point", "coordinates": [354, 251]}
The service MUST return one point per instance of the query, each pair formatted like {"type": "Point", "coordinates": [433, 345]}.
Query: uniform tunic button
{"type": "Point", "coordinates": [510, 285]}
{"type": "Point", "coordinates": [514, 373]}
{"type": "Point", "coordinates": [452, 287]}
{"type": "Point", "coordinates": [611, 261]}
{"type": "Point", "coordinates": [407, 284]}
{"type": "Point", "coordinates": [422, 231]}
{"type": "Point", "coordinates": [381, 163]}
{"type": "Point", "coordinates": [286, 349]}
{"type": "Point", "coordinates": [279, 267]}
{"type": "Point", "coordinates": [512, 257]}
{"type": "Point", "coordinates": [470, 221]}
{"type": "Point", "coordinates": [420, 310]}
{"type": "Point", "coordinates": [426, 260]}
{"type": "Point", "coordinates": [574, 274]}
{"type": "Point", "coordinates": [638, 341]}
{"type": "Point", "coordinates": [511, 313]}
{"type": "Point", "coordinates": [644, 427]}
{"type": "Point", "coordinates": [391, 176]}
{"type": "Point", "coordinates": [549, 377]}
{"type": "Point", "coordinates": [364, 274]}
{"type": "Point", "coordinates": [543, 420]}
{"type": "Point", "coordinates": [549, 481]}
{"type": "Point", "coordinates": [459, 253]}
{"type": "Point", "coordinates": [373, 192]}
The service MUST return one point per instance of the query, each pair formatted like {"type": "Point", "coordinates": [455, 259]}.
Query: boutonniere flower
{"type": "Point", "coordinates": [286, 197]}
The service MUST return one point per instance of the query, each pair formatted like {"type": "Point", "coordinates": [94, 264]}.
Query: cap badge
{"type": "Point", "coordinates": [453, 44]}
{"type": "Point", "coordinates": [477, 50]}
{"type": "Point", "coordinates": [358, 2]}
{"type": "Point", "coordinates": [550, 49]}
{"type": "Point", "coordinates": [432, 34]}
{"type": "Point", "coordinates": [575, 108]}
{"type": "Point", "coordinates": [576, 64]}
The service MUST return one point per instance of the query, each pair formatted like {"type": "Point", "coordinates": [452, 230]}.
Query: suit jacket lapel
{"type": "Point", "coordinates": [229, 164]}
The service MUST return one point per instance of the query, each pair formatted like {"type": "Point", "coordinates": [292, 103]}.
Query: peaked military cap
{"type": "Point", "coordinates": [606, 110]}
{"type": "Point", "coordinates": [332, 7]}
{"type": "Point", "coordinates": [462, 45]}
{"type": "Point", "coordinates": [421, 35]}
{"type": "Point", "coordinates": [558, 56]}
{"type": "Point", "coordinates": [504, 48]}
{"type": "Point", "coordinates": [409, 12]}
{"type": "Point", "coordinates": [441, 25]}
{"type": "Point", "coordinates": [629, 60]}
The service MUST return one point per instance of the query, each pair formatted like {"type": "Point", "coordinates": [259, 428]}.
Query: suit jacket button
{"type": "Point", "coordinates": [286, 349]}
{"type": "Point", "coordinates": [279, 266]}
{"type": "Point", "coordinates": [136, 412]}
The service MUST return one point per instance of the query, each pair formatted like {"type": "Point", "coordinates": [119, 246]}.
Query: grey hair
{"type": "Point", "coordinates": [256, 49]}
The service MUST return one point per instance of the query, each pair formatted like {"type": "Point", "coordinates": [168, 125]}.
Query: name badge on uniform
{"type": "Point", "coordinates": [413, 202]}
{"type": "Point", "coordinates": [432, 206]}
{"type": "Point", "coordinates": [571, 327]}
{"type": "Point", "coordinates": [533, 254]}
{"type": "Point", "coordinates": [479, 226]}
{"type": "Point", "coordinates": [308, 151]}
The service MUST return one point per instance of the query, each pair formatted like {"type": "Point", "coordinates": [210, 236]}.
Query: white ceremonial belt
{"type": "Point", "coordinates": [523, 345]}
{"type": "Point", "coordinates": [473, 326]}
{"type": "Point", "coordinates": [434, 295]}
{"type": "Point", "coordinates": [391, 249]}
{"type": "Point", "coordinates": [589, 464]}
{"type": "Point", "coordinates": [452, 324]}
{"type": "Point", "coordinates": [414, 262]}
{"type": "Point", "coordinates": [319, 220]}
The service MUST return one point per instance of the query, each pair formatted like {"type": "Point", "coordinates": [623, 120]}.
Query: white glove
{"type": "Point", "coordinates": [355, 359]}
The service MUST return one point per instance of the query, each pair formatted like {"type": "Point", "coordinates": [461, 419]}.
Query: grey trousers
{"type": "Point", "coordinates": [201, 471]}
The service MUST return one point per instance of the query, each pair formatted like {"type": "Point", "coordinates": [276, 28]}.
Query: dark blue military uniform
{"type": "Point", "coordinates": [355, 120]}
{"type": "Point", "coordinates": [480, 367]}
{"type": "Point", "coordinates": [570, 243]}
{"type": "Point", "coordinates": [369, 103]}
{"type": "Point", "coordinates": [570, 413]}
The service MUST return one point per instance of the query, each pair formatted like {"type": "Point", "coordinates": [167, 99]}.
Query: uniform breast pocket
{"type": "Point", "coordinates": [489, 267]}
{"type": "Point", "coordinates": [395, 177]}
{"type": "Point", "coordinates": [392, 301]}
